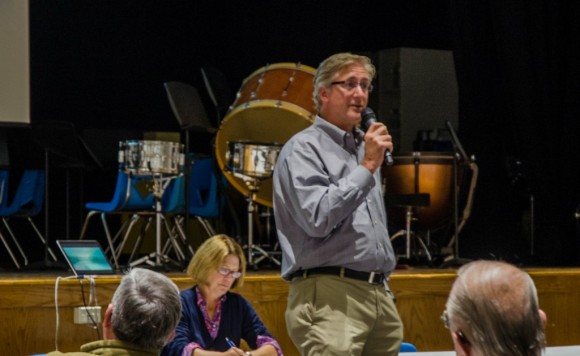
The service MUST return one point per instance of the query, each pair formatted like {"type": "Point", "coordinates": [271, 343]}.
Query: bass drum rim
{"type": "Point", "coordinates": [265, 121]}
{"type": "Point", "coordinates": [294, 93]}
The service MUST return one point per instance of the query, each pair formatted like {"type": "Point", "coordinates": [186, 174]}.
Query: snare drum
{"type": "Point", "coordinates": [252, 159]}
{"type": "Point", "coordinates": [151, 157]}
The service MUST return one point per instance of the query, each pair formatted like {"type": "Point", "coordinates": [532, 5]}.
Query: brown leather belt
{"type": "Point", "coordinates": [369, 277]}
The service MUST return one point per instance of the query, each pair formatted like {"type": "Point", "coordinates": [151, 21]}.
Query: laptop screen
{"type": "Point", "coordinates": [85, 257]}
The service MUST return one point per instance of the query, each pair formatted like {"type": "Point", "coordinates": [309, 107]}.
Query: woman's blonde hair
{"type": "Point", "coordinates": [210, 256]}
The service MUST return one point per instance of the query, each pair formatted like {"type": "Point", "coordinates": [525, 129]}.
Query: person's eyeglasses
{"type": "Point", "coordinates": [350, 85]}
{"type": "Point", "coordinates": [226, 272]}
{"type": "Point", "coordinates": [460, 335]}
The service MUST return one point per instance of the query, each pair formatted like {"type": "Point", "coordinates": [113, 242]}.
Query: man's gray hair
{"type": "Point", "coordinates": [329, 68]}
{"type": "Point", "coordinates": [495, 305]}
{"type": "Point", "coordinates": [146, 309]}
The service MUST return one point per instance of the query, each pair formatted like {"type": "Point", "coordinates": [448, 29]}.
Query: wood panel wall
{"type": "Point", "coordinates": [28, 313]}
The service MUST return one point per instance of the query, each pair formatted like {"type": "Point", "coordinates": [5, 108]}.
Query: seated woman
{"type": "Point", "coordinates": [213, 319]}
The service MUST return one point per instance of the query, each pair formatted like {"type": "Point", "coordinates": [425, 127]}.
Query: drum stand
{"type": "Point", "coordinates": [253, 185]}
{"type": "Point", "coordinates": [159, 257]}
{"type": "Point", "coordinates": [409, 202]}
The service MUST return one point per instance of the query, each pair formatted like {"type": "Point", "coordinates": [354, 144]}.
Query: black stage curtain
{"type": "Point", "coordinates": [518, 72]}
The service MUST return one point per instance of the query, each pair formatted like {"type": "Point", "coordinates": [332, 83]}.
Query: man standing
{"type": "Point", "coordinates": [332, 224]}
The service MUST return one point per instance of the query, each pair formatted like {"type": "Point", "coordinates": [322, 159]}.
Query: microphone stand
{"type": "Point", "coordinates": [469, 161]}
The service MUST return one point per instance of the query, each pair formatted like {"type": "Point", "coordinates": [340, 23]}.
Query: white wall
{"type": "Point", "coordinates": [14, 62]}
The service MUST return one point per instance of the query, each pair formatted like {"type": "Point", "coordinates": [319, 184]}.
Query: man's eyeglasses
{"type": "Point", "coordinates": [460, 335]}
{"type": "Point", "coordinates": [225, 272]}
{"type": "Point", "coordinates": [350, 85]}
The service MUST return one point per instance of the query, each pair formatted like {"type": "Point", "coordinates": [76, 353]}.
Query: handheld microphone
{"type": "Point", "coordinates": [369, 117]}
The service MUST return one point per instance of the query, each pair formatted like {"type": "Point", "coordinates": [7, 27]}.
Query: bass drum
{"type": "Point", "coordinates": [421, 172]}
{"type": "Point", "coordinates": [273, 104]}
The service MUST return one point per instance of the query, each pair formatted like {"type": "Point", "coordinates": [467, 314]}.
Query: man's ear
{"type": "Point", "coordinates": [461, 348]}
{"type": "Point", "coordinates": [543, 317]}
{"type": "Point", "coordinates": [108, 333]}
{"type": "Point", "coordinates": [108, 314]}
{"type": "Point", "coordinates": [323, 94]}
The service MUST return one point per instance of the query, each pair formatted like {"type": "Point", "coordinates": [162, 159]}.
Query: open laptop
{"type": "Point", "coordinates": [85, 257]}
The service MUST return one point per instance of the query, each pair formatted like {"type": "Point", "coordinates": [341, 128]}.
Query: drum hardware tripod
{"type": "Point", "coordinates": [409, 202]}
{"type": "Point", "coordinates": [159, 255]}
{"type": "Point", "coordinates": [253, 185]}
{"type": "Point", "coordinates": [268, 214]}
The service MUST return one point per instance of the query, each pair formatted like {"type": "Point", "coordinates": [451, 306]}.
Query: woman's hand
{"type": "Point", "coordinates": [234, 351]}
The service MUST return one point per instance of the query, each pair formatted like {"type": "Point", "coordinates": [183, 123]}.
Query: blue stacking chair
{"type": "Point", "coordinates": [407, 347]}
{"type": "Point", "coordinates": [27, 203]}
{"type": "Point", "coordinates": [128, 198]}
{"type": "Point", "coordinates": [204, 199]}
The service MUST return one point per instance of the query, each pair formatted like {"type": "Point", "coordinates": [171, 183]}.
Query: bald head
{"type": "Point", "coordinates": [493, 305]}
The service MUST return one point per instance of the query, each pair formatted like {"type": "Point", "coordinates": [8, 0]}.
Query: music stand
{"type": "Point", "coordinates": [60, 139]}
{"type": "Point", "coordinates": [218, 90]}
{"type": "Point", "coordinates": [189, 111]}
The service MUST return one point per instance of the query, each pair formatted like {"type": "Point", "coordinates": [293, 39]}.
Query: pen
{"type": "Point", "coordinates": [230, 343]}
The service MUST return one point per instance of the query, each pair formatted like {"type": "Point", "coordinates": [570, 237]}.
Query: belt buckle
{"type": "Point", "coordinates": [371, 279]}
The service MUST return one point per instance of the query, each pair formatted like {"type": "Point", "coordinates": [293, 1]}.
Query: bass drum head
{"type": "Point", "coordinates": [259, 121]}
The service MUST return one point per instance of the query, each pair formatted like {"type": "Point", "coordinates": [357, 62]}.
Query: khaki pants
{"type": "Point", "coordinates": [329, 315]}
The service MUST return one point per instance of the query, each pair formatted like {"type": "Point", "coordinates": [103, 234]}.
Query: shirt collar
{"type": "Point", "coordinates": [202, 302]}
{"type": "Point", "coordinates": [338, 135]}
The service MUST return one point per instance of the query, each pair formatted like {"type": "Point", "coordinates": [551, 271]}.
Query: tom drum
{"type": "Point", "coordinates": [421, 172]}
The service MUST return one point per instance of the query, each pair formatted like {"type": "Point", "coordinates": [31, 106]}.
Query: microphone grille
{"type": "Point", "coordinates": [367, 113]}
{"type": "Point", "coordinates": [367, 117]}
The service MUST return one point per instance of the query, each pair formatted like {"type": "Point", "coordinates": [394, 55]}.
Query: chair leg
{"type": "Point", "coordinates": [41, 238]}
{"type": "Point", "coordinates": [109, 239]}
{"type": "Point", "coordinates": [5, 222]}
{"type": "Point", "coordinates": [86, 223]}
{"type": "Point", "coordinates": [9, 251]}
{"type": "Point", "coordinates": [139, 241]}
{"type": "Point", "coordinates": [177, 221]}
{"type": "Point", "coordinates": [134, 219]}
{"type": "Point", "coordinates": [206, 225]}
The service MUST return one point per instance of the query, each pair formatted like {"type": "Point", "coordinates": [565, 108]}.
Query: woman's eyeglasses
{"type": "Point", "coordinates": [226, 272]}
{"type": "Point", "coordinates": [460, 335]}
{"type": "Point", "coordinates": [350, 85]}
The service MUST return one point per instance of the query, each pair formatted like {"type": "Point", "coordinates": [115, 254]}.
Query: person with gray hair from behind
{"type": "Point", "coordinates": [141, 318]}
{"type": "Point", "coordinates": [493, 310]}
